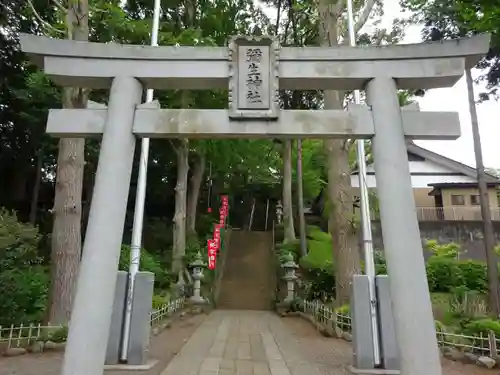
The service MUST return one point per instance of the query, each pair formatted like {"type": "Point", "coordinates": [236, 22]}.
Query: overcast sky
{"type": "Point", "coordinates": [455, 99]}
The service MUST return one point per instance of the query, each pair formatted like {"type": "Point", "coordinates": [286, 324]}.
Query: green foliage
{"type": "Point", "coordinates": [468, 303]}
{"type": "Point", "coordinates": [158, 301]}
{"type": "Point", "coordinates": [443, 274]}
{"type": "Point", "coordinates": [448, 250]}
{"type": "Point", "coordinates": [18, 242]}
{"type": "Point", "coordinates": [497, 249]}
{"type": "Point", "coordinates": [380, 265]}
{"type": "Point", "coordinates": [292, 247]}
{"type": "Point", "coordinates": [148, 263]}
{"type": "Point", "coordinates": [482, 327]}
{"type": "Point", "coordinates": [319, 255]}
{"type": "Point", "coordinates": [474, 274]}
{"type": "Point", "coordinates": [59, 335]}
{"type": "Point", "coordinates": [23, 294]}
{"type": "Point", "coordinates": [440, 327]}
{"type": "Point", "coordinates": [318, 266]}
{"type": "Point", "coordinates": [158, 236]}
{"type": "Point", "coordinates": [451, 19]}
{"type": "Point", "coordinates": [446, 273]}
{"type": "Point", "coordinates": [315, 233]}
{"type": "Point", "coordinates": [23, 281]}
{"type": "Point", "coordinates": [343, 310]}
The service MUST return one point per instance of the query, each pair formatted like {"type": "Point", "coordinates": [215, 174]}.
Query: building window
{"type": "Point", "coordinates": [474, 200]}
{"type": "Point", "coordinates": [457, 200]}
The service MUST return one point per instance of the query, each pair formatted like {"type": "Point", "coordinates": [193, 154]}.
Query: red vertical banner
{"type": "Point", "coordinates": [223, 211]}
{"type": "Point", "coordinates": [212, 254]}
{"type": "Point", "coordinates": [217, 237]}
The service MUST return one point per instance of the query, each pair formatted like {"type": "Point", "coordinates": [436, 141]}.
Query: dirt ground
{"type": "Point", "coordinates": [163, 347]}
{"type": "Point", "coordinates": [333, 355]}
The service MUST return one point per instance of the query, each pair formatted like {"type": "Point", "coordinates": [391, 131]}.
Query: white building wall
{"type": "Point", "coordinates": [419, 181]}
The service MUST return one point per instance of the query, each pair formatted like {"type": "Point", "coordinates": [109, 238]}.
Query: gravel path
{"type": "Point", "coordinates": [332, 355]}
{"type": "Point", "coordinates": [163, 347]}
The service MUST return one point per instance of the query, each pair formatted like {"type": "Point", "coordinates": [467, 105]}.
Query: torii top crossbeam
{"type": "Point", "coordinates": [414, 66]}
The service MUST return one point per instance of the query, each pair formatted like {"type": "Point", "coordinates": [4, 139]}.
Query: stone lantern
{"type": "Point", "coordinates": [289, 266]}
{"type": "Point", "coordinates": [197, 265]}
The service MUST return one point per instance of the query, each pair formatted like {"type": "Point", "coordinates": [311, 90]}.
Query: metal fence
{"type": "Point", "coordinates": [327, 316]}
{"type": "Point", "coordinates": [485, 345]}
{"type": "Point", "coordinates": [158, 315]}
{"type": "Point", "coordinates": [460, 213]}
{"type": "Point", "coordinates": [25, 334]}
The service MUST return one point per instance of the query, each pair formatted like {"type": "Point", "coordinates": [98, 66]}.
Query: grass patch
{"type": "Point", "coordinates": [319, 255]}
{"type": "Point", "coordinates": [315, 233]}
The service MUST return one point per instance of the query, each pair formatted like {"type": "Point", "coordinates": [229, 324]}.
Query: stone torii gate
{"type": "Point", "coordinates": [253, 69]}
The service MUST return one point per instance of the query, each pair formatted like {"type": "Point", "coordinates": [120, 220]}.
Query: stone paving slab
{"type": "Point", "coordinates": [235, 342]}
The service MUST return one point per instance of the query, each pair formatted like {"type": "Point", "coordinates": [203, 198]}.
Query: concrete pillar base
{"type": "Point", "coordinates": [126, 367]}
{"type": "Point", "coordinates": [374, 371]}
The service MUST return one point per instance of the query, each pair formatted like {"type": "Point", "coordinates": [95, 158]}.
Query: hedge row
{"type": "Point", "coordinates": [444, 273]}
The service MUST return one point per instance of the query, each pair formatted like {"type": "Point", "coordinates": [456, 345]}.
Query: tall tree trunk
{"type": "Point", "coordinates": [179, 248]}
{"type": "Point", "coordinates": [182, 151]}
{"type": "Point", "coordinates": [340, 202]}
{"type": "Point", "coordinates": [194, 192]}
{"type": "Point", "coordinates": [300, 201]}
{"type": "Point", "coordinates": [340, 220]}
{"type": "Point", "coordinates": [88, 190]}
{"type": "Point", "coordinates": [287, 192]}
{"type": "Point", "coordinates": [489, 236]}
{"type": "Point", "coordinates": [36, 189]}
{"type": "Point", "coordinates": [66, 232]}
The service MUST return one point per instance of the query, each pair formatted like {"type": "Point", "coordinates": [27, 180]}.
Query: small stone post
{"type": "Point", "coordinates": [289, 266]}
{"type": "Point", "coordinates": [197, 265]}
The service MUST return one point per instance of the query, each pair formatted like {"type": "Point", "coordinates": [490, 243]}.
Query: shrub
{"type": "Point", "coordinates": [474, 275]}
{"type": "Point", "coordinates": [158, 301]}
{"type": "Point", "coordinates": [379, 260]}
{"type": "Point", "coordinates": [448, 250]}
{"type": "Point", "coordinates": [482, 326]}
{"type": "Point", "coordinates": [59, 335]}
{"type": "Point", "coordinates": [23, 295]}
{"type": "Point", "coordinates": [290, 247]}
{"type": "Point", "coordinates": [23, 281]}
{"type": "Point", "coordinates": [18, 242]}
{"type": "Point", "coordinates": [315, 233]}
{"type": "Point", "coordinates": [319, 255]}
{"type": "Point", "coordinates": [343, 310]}
{"type": "Point", "coordinates": [318, 268]}
{"type": "Point", "coordinates": [148, 263]}
{"type": "Point", "coordinates": [443, 274]}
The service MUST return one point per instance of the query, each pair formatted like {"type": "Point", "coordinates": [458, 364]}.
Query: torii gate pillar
{"type": "Point", "coordinates": [103, 239]}
{"type": "Point", "coordinates": [402, 244]}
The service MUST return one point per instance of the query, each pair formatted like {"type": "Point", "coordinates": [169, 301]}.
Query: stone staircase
{"type": "Point", "coordinates": [247, 277]}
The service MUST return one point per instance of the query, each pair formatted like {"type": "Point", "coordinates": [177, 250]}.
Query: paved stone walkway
{"type": "Point", "coordinates": [241, 343]}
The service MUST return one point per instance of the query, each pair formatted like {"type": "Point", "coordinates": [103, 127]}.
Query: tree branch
{"type": "Point", "coordinates": [364, 16]}
{"type": "Point", "coordinates": [42, 21]}
{"type": "Point", "coordinates": [339, 7]}
{"type": "Point", "coordinates": [59, 5]}
{"type": "Point", "coordinates": [176, 149]}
